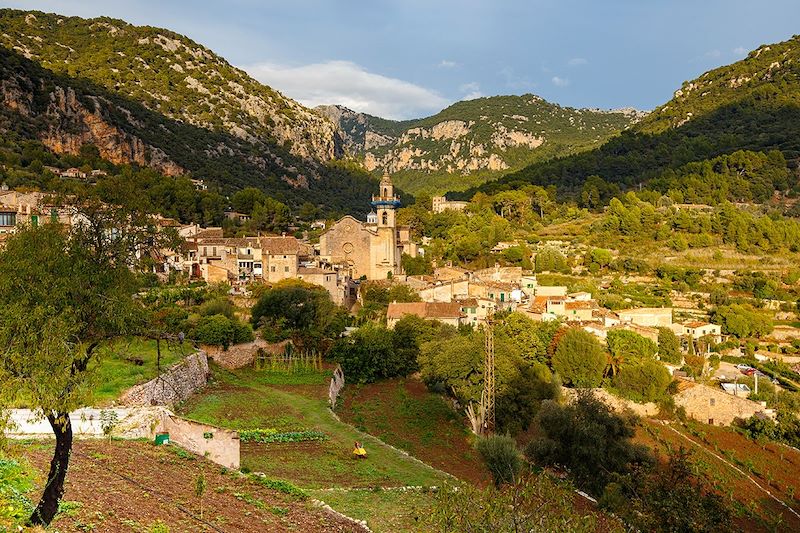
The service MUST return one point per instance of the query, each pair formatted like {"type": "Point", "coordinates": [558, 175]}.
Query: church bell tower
{"type": "Point", "coordinates": [386, 204]}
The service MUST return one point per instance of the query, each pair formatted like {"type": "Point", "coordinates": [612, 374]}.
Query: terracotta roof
{"type": "Point", "coordinates": [696, 324]}
{"type": "Point", "coordinates": [468, 302]}
{"type": "Point", "coordinates": [238, 242]}
{"type": "Point", "coordinates": [209, 233]}
{"type": "Point", "coordinates": [425, 309]}
{"type": "Point", "coordinates": [280, 245]}
{"type": "Point", "coordinates": [314, 270]}
{"type": "Point", "coordinates": [580, 305]}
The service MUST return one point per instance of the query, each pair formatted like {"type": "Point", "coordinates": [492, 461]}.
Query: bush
{"type": "Point", "coordinates": [218, 306]}
{"type": "Point", "coordinates": [588, 439]}
{"type": "Point", "coordinates": [219, 330]}
{"type": "Point", "coordinates": [643, 382]}
{"type": "Point", "coordinates": [501, 456]}
{"type": "Point", "coordinates": [579, 359]}
{"type": "Point", "coordinates": [369, 355]}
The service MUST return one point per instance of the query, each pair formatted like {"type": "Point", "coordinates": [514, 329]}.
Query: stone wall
{"type": "Point", "coordinates": [242, 355]}
{"type": "Point", "coordinates": [216, 444]}
{"type": "Point", "coordinates": [617, 403]}
{"type": "Point", "coordinates": [714, 406]}
{"type": "Point", "coordinates": [173, 386]}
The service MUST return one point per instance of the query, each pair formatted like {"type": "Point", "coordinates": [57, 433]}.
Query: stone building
{"type": "Point", "coordinates": [370, 249]}
{"type": "Point", "coordinates": [441, 203]}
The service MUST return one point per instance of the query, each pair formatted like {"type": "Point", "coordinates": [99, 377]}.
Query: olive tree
{"type": "Point", "coordinates": [64, 290]}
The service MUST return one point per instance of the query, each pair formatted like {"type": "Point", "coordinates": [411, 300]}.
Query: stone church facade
{"type": "Point", "coordinates": [372, 249]}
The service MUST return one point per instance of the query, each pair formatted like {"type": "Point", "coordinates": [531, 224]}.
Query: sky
{"type": "Point", "coordinates": [411, 58]}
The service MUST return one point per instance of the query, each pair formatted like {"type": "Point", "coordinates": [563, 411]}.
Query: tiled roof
{"type": "Point", "coordinates": [314, 270]}
{"type": "Point", "coordinates": [425, 309]}
{"type": "Point", "coordinates": [280, 245]}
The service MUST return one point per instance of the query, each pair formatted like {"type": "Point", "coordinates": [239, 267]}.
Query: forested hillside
{"type": "Point", "coordinates": [149, 97]}
{"type": "Point", "coordinates": [751, 105]}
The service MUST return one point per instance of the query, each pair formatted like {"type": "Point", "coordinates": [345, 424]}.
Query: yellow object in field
{"type": "Point", "coordinates": [360, 452]}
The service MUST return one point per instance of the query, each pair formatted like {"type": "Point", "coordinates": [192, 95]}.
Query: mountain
{"type": "Point", "coordinates": [752, 105]}
{"type": "Point", "coordinates": [474, 141]}
{"type": "Point", "coordinates": [149, 96]}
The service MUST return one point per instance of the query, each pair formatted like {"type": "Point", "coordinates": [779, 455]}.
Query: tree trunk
{"type": "Point", "coordinates": [47, 508]}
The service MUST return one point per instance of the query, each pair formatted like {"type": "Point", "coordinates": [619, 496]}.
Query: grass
{"type": "Point", "coordinates": [383, 510]}
{"type": "Point", "coordinates": [309, 464]}
{"type": "Point", "coordinates": [117, 367]}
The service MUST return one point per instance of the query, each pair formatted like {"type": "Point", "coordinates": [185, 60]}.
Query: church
{"type": "Point", "coordinates": [370, 249]}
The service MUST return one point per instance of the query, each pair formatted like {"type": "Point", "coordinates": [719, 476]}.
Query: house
{"type": "Point", "coordinates": [73, 173]}
{"type": "Point", "coordinates": [281, 257]}
{"type": "Point", "coordinates": [447, 312]}
{"type": "Point", "coordinates": [477, 310]}
{"type": "Point", "coordinates": [237, 217]}
{"type": "Point", "coordinates": [647, 316]}
{"type": "Point", "coordinates": [441, 203]}
{"type": "Point", "coordinates": [550, 290]}
{"type": "Point", "coordinates": [199, 185]}
{"type": "Point", "coordinates": [326, 278]}
{"type": "Point", "coordinates": [714, 406]}
{"type": "Point", "coordinates": [699, 329]}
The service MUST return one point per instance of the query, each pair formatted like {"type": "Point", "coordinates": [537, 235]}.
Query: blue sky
{"type": "Point", "coordinates": [409, 58]}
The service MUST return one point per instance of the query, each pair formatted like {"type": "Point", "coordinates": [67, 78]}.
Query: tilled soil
{"type": "Point", "coordinates": [131, 486]}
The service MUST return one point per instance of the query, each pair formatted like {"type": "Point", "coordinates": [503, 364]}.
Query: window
{"type": "Point", "coordinates": [710, 421]}
{"type": "Point", "coordinates": [385, 192]}
{"type": "Point", "coordinates": [286, 269]}
{"type": "Point", "coordinates": [385, 218]}
{"type": "Point", "coordinates": [272, 269]}
{"type": "Point", "coordinates": [8, 219]}
{"type": "Point", "coordinates": [712, 402]}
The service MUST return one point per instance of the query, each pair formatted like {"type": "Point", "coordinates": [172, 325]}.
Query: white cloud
{"type": "Point", "coordinates": [740, 50]}
{"type": "Point", "coordinates": [577, 61]}
{"type": "Point", "coordinates": [713, 53]}
{"type": "Point", "coordinates": [444, 63]}
{"type": "Point", "coordinates": [472, 90]}
{"type": "Point", "coordinates": [559, 82]}
{"type": "Point", "coordinates": [350, 85]}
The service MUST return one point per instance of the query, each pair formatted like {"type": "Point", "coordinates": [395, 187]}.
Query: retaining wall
{"type": "Point", "coordinates": [216, 444]}
{"type": "Point", "coordinates": [173, 386]}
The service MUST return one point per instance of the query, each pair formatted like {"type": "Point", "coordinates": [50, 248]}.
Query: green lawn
{"type": "Point", "coordinates": [117, 368]}
{"type": "Point", "coordinates": [251, 399]}
{"type": "Point", "coordinates": [385, 511]}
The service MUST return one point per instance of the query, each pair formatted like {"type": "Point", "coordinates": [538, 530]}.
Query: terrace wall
{"type": "Point", "coordinates": [173, 386]}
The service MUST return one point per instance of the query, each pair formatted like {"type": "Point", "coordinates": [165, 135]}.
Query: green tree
{"type": "Point", "coordinates": [579, 359]}
{"type": "Point", "coordinates": [644, 381]}
{"type": "Point", "coordinates": [669, 346]}
{"type": "Point", "coordinates": [589, 439]}
{"type": "Point", "coordinates": [501, 456]}
{"type": "Point", "coordinates": [63, 292]}
{"type": "Point", "coordinates": [629, 346]}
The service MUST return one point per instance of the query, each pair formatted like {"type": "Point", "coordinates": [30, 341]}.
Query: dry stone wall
{"type": "Point", "coordinates": [173, 386]}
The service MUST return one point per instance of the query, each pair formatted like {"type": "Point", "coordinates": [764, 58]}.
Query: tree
{"type": "Point", "coordinates": [669, 346]}
{"type": "Point", "coordinates": [587, 438]}
{"type": "Point", "coordinates": [302, 311]}
{"type": "Point", "coordinates": [368, 355]}
{"type": "Point", "coordinates": [644, 381]}
{"type": "Point", "coordinates": [629, 346]}
{"type": "Point", "coordinates": [63, 292]}
{"type": "Point", "coordinates": [579, 359]}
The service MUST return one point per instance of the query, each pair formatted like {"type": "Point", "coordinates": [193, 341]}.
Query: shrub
{"type": "Point", "coordinates": [587, 438]}
{"type": "Point", "coordinates": [369, 355]}
{"type": "Point", "coordinates": [579, 359]}
{"type": "Point", "coordinates": [643, 382]}
{"type": "Point", "coordinates": [218, 306]}
{"type": "Point", "coordinates": [669, 347]}
{"type": "Point", "coordinates": [219, 330]}
{"type": "Point", "coordinates": [501, 456]}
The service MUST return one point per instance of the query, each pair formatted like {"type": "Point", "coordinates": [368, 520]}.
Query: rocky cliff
{"type": "Point", "coordinates": [169, 74]}
{"type": "Point", "coordinates": [150, 97]}
{"type": "Point", "coordinates": [474, 141]}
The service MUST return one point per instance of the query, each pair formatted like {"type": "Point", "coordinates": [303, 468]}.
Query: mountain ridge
{"type": "Point", "coordinates": [474, 140]}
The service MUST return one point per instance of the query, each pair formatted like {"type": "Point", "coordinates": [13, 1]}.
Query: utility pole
{"type": "Point", "coordinates": [487, 396]}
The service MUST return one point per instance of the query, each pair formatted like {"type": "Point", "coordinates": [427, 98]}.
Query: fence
{"type": "Point", "coordinates": [337, 384]}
